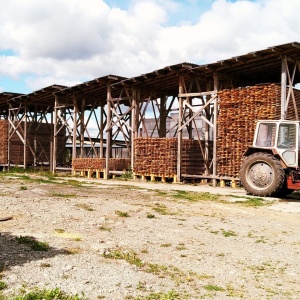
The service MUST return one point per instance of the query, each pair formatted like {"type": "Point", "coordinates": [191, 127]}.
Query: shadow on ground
{"type": "Point", "coordinates": [12, 253]}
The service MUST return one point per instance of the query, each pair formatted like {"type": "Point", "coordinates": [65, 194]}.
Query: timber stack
{"type": "Point", "coordinates": [3, 141]}
{"type": "Point", "coordinates": [155, 156]}
{"type": "Point", "coordinates": [193, 153]}
{"type": "Point", "coordinates": [158, 157]}
{"type": "Point", "coordinates": [38, 142]}
{"type": "Point", "coordinates": [239, 109]}
{"type": "Point", "coordinates": [94, 164]}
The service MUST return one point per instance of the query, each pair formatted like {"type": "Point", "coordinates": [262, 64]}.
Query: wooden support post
{"type": "Point", "coordinates": [215, 129]}
{"type": "Point", "coordinates": [82, 154]}
{"type": "Point", "coordinates": [51, 138]}
{"type": "Point", "coordinates": [98, 174]}
{"type": "Point", "coordinates": [283, 86]}
{"type": "Point", "coordinates": [233, 184]}
{"type": "Point", "coordinates": [101, 130]}
{"type": "Point", "coordinates": [9, 134]}
{"type": "Point", "coordinates": [190, 126]}
{"type": "Point", "coordinates": [74, 154]}
{"type": "Point", "coordinates": [35, 137]}
{"type": "Point", "coordinates": [222, 183]}
{"type": "Point", "coordinates": [54, 146]}
{"type": "Point", "coordinates": [25, 137]}
{"type": "Point", "coordinates": [179, 134]}
{"type": "Point", "coordinates": [108, 132]}
{"type": "Point", "coordinates": [134, 120]}
{"type": "Point", "coordinates": [163, 117]}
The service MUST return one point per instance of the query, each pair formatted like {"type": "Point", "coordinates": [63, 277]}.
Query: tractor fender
{"type": "Point", "coordinates": [273, 151]}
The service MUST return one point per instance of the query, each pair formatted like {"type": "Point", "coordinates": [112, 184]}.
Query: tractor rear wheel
{"type": "Point", "coordinates": [262, 174]}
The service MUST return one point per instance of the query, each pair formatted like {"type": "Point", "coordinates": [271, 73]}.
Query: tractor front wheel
{"type": "Point", "coordinates": [262, 174]}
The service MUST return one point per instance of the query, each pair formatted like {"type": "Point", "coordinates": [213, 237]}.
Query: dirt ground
{"type": "Point", "coordinates": [134, 240]}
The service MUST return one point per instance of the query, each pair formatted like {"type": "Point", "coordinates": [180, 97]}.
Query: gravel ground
{"type": "Point", "coordinates": [132, 240]}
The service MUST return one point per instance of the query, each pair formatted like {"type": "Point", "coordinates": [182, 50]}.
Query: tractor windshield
{"type": "Point", "coordinates": [266, 135]}
{"type": "Point", "coordinates": [287, 136]}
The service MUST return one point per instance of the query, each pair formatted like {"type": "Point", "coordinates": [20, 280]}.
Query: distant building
{"type": "Point", "coordinates": [171, 127]}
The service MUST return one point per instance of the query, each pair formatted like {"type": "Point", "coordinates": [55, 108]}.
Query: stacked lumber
{"type": "Point", "coordinates": [155, 156]}
{"type": "Point", "coordinates": [239, 109]}
{"type": "Point", "coordinates": [3, 141]}
{"type": "Point", "coordinates": [192, 162]}
{"type": "Point", "coordinates": [38, 134]}
{"type": "Point", "coordinates": [115, 164]}
{"type": "Point", "coordinates": [88, 163]}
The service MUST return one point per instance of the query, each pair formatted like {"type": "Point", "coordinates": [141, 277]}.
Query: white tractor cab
{"type": "Point", "coordinates": [270, 165]}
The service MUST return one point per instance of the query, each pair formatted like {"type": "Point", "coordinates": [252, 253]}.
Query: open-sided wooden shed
{"type": "Point", "coordinates": [225, 96]}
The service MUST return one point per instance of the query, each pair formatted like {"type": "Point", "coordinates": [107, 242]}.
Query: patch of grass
{"type": "Point", "coordinates": [166, 245]}
{"type": "Point", "coordinates": [213, 288]}
{"type": "Point", "coordinates": [170, 295]}
{"type": "Point", "coordinates": [3, 285]}
{"type": "Point", "coordinates": [122, 214]}
{"type": "Point", "coordinates": [84, 206]}
{"type": "Point", "coordinates": [23, 188]}
{"type": "Point", "coordinates": [73, 182]}
{"type": "Point", "coordinates": [161, 193]}
{"type": "Point", "coordinates": [39, 294]}
{"type": "Point", "coordinates": [162, 209]}
{"type": "Point", "coordinates": [33, 243]}
{"type": "Point", "coordinates": [161, 271]}
{"type": "Point", "coordinates": [141, 286]}
{"type": "Point", "coordinates": [193, 196]}
{"type": "Point", "coordinates": [63, 195]}
{"type": "Point", "coordinates": [104, 228]}
{"type": "Point", "coordinates": [251, 201]}
{"type": "Point", "coordinates": [130, 256]}
{"type": "Point", "coordinates": [228, 233]}
{"type": "Point", "coordinates": [181, 247]}
{"type": "Point", "coordinates": [128, 174]}
{"type": "Point", "coordinates": [150, 216]}
{"type": "Point", "coordinates": [261, 240]}
{"type": "Point", "coordinates": [45, 265]}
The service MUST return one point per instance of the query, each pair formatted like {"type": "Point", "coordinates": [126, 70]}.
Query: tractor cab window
{"type": "Point", "coordinates": [286, 136]}
{"type": "Point", "coordinates": [266, 135]}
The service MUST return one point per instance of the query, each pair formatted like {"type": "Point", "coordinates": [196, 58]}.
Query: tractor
{"type": "Point", "coordinates": [270, 167]}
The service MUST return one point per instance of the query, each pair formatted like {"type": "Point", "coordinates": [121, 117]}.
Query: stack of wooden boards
{"type": "Point", "coordinates": [3, 141]}
{"type": "Point", "coordinates": [38, 144]}
{"type": "Point", "coordinates": [158, 157]}
{"type": "Point", "coordinates": [99, 164]}
{"type": "Point", "coordinates": [239, 109]}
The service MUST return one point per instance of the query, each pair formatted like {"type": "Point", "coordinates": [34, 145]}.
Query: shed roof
{"type": "Point", "coordinates": [263, 66]}
{"type": "Point", "coordinates": [5, 96]}
{"type": "Point", "coordinates": [164, 80]}
{"type": "Point", "coordinates": [42, 99]}
{"type": "Point", "coordinates": [90, 91]}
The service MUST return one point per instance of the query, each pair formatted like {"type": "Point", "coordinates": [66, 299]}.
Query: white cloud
{"type": "Point", "coordinates": [68, 41]}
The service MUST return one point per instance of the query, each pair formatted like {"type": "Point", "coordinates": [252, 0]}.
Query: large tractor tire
{"type": "Point", "coordinates": [262, 175]}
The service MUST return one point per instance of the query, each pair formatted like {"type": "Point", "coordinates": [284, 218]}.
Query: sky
{"type": "Point", "coordinates": [68, 42]}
